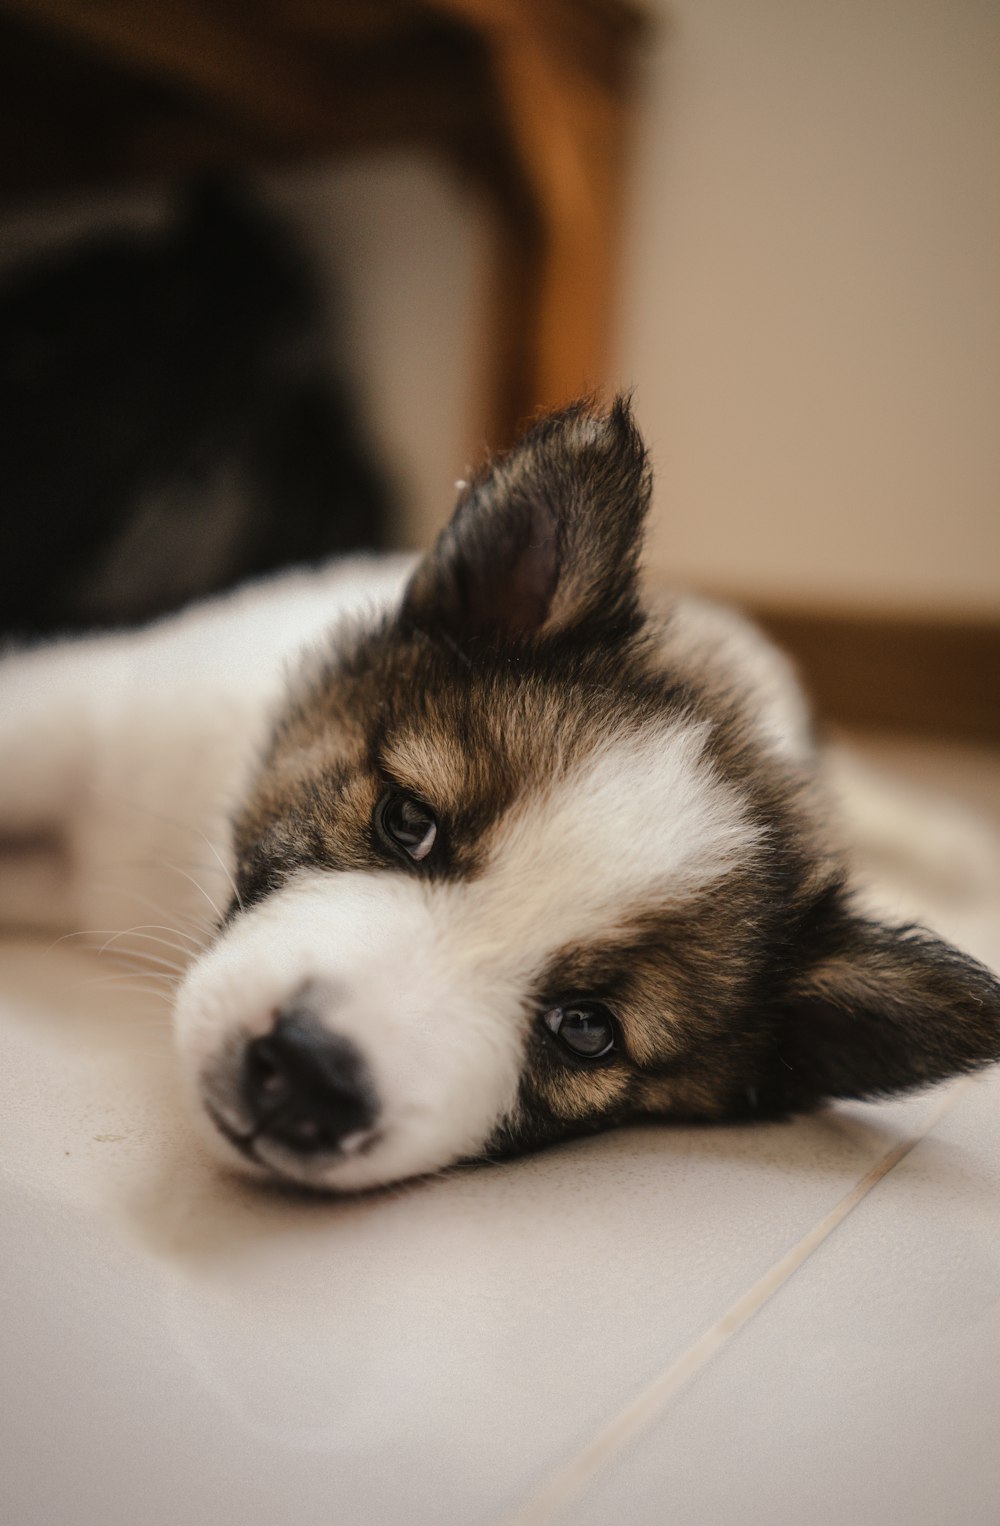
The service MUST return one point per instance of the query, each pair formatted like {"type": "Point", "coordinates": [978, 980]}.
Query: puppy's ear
{"type": "Point", "coordinates": [544, 540]}
{"type": "Point", "coordinates": [877, 1009]}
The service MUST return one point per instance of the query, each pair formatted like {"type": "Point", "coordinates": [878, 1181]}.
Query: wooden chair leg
{"type": "Point", "coordinates": [556, 222]}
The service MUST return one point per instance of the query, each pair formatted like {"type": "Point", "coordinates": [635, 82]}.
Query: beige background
{"type": "Point", "coordinates": [811, 306]}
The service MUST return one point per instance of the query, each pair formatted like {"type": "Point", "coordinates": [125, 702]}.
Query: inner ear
{"type": "Point", "coordinates": [502, 579]}
{"type": "Point", "coordinates": [546, 538]}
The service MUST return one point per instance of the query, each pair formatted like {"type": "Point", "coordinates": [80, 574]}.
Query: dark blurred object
{"type": "Point", "coordinates": [529, 100]}
{"type": "Point", "coordinates": [169, 422]}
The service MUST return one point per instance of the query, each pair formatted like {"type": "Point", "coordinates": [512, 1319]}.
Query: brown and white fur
{"type": "Point", "coordinates": [417, 828]}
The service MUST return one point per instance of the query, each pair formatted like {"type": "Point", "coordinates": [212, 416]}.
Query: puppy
{"type": "Point", "coordinates": [467, 857]}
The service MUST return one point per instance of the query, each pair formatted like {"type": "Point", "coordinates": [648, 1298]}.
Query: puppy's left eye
{"type": "Point", "coordinates": [587, 1028]}
{"type": "Point", "coordinates": [408, 824]}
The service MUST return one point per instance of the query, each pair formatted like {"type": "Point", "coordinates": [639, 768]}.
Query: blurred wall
{"type": "Point", "coordinates": [811, 299]}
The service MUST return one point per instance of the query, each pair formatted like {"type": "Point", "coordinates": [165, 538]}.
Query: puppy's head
{"type": "Point", "coordinates": [512, 871]}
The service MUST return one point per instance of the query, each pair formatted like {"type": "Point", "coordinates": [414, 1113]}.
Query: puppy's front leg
{"type": "Point", "coordinates": [124, 752]}
{"type": "Point", "coordinates": [50, 701]}
{"type": "Point", "coordinates": [93, 803]}
{"type": "Point", "coordinates": [50, 698]}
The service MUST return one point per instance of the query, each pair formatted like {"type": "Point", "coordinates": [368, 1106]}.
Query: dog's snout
{"type": "Point", "coordinates": [306, 1087]}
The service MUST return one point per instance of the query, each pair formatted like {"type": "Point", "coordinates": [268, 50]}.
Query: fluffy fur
{"type": "Point", "coordinates": [627, 810]}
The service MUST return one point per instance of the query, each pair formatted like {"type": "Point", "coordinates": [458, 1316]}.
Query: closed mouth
{"type": "Point", "coordinates": [359, 1144]}
{"type": "Point", "coordinates": [242, 1142]}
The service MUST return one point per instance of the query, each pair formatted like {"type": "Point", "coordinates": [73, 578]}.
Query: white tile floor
{"type": "Point", "coordinates": [665, 1325]}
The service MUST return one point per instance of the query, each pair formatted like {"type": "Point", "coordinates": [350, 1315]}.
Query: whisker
{"type": "Point", "coordinates": [147, 937]}
{"type": "Point", "coordinates": [162, 927]}
{"type": "Point", "coordinates": [223, 866]}
{"type": "Point", "coordinates": [155, 906]}
{"type": "Point", "coordinates": [83, 932]}
{"type": "Point", "coordinates": [182, 826]}
{"type": "Point", "coordinates": [129, 985]}
{"type": "Point", "coordinates": [164, 976]}
{"type": "Point", "coordinates": [146, 961]}
{"type": "Point", "coordinates": [200, 888]}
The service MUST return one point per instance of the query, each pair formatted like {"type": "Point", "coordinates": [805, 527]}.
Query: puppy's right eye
{"type": "Point", "coordinates": [585, 1028]}
{"type": "Point", "coordinates": [406, 823]}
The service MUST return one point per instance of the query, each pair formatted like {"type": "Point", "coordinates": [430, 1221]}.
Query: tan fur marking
{"type": "Point", "coordinates": [839, 975]}
{"type": "Point", "coordinates": [293, 772]}
{"type": "Point", "coordinates": [680, 1095]}
{"type": "Point", "coordinates": [581, 1095]}
{"type": "Point", "coordinates": [651, 1034]}
{"type": "Point", "coordinates": [346, 833]}
{"type": "Point", "coordinates": [430, 765]}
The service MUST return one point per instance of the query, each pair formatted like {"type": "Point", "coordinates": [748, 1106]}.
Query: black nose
{"type": "Point", "coordinates": [305, 1087]}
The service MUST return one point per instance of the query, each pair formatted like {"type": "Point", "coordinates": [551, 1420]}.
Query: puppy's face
{"type": "Point", "coordinates": [505, 876]}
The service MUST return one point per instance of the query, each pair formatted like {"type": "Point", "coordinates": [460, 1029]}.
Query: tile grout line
{"type": "Point", "coordinates": [569, 1481]}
